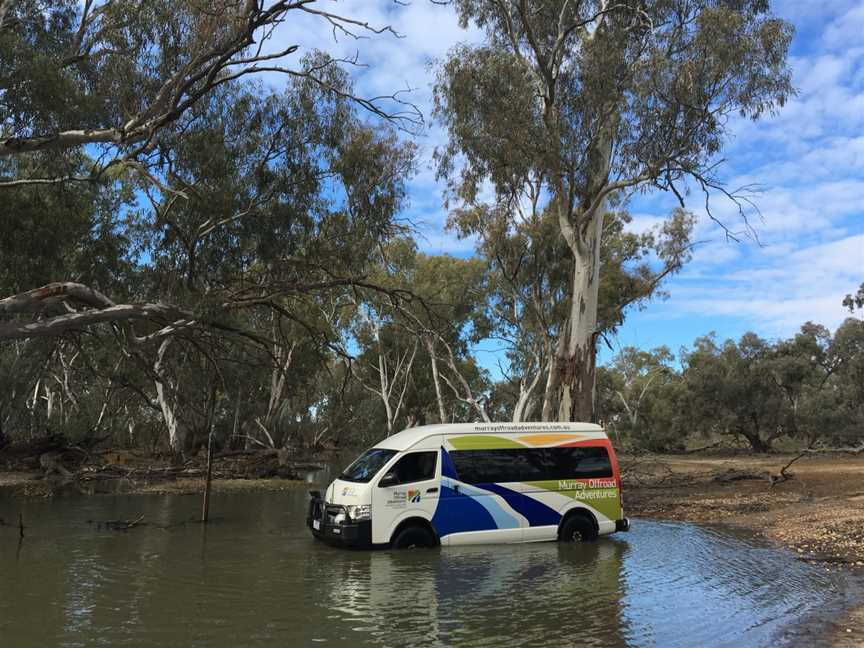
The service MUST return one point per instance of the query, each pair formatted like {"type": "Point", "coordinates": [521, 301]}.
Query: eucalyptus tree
{"type": "Point", "coordinates": [642, 398]}
{"type": "Point", "coordinates": [273, 218]}
{"type": "Point", "coordinates": [448, 314]}
{"type": "Point", "coordinates": [847, 349]}
{"type": "Point", "coordinates": [731, 391]}
{"type": "Point", "coordinates": [582, 103]}
{"type": "Point", "coordinates": [527, 286]}
{"type": "Point", "coordinates": [529, 282]}
{"type": "Point", "coordinates": [166, 195]}
{"type": "Point", "coordinates": [415, 335]}
{"type": "Point", "coordinates": [94, 93]}
{"type": "Point", "coordinates": [855, 301]}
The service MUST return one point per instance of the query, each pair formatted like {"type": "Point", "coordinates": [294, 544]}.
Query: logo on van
{"type": "Point", "coordinates": [414, 496]}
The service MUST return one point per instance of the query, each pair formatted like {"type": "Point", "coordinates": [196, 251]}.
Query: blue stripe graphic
{"type": "Point", "coordinates": [537, 513]}
{"type": "Point", "coordinates": [503, 519]}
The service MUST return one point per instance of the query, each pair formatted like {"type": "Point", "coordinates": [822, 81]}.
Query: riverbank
{"type": "Point", "coordinates": [134, 473]}
{"type": "Point", "coordinates": [817, 512]}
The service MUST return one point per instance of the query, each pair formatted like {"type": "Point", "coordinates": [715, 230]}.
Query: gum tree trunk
{"type": "Point", "coordinates": [577, 360]}
{"type": "Point", "coordinates": [164, 389]}
{"type": "Point", "coordinates": [526, 401]}
{"type": "Point", "coordinates": [436, 378]}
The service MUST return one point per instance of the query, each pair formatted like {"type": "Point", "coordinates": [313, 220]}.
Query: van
{"type": "Point", "coordinates": [474, 484]}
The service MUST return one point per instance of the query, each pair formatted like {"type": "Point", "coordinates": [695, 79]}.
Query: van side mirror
{"type": "Point", "coordinates": [390, 479]}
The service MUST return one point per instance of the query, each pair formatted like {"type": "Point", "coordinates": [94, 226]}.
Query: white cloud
{"type": "Point", "coordinates": [777, 293]}
{"type": "Point", "coordinates": [809, 162]}
{"type": "Point", "coordinates": [390, 63]}
{"type": "Point", "coordinates": [845, 30]}
{"type": "Point", "coordinates": [438, 242]}
{"type": "Point", "coordinates": [642, 223]}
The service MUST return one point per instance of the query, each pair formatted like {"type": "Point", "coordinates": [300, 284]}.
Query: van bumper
{"type": "Point", "coordinates": [622, 525]}
{"type": "Point", "coordinates": [321, 520]}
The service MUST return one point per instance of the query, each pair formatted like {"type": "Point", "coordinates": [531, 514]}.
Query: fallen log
{"type": "Point", "coordinates": [120, 525]}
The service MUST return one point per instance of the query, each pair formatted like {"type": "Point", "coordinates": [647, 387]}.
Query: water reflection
{"type": "Point", "coordinates": [477, 595]}
{"type": "Point", "coordinates": [257, 578]}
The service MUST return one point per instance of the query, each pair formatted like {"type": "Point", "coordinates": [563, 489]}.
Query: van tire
{"type": "Point", "coordinates": [412, 537]}
{"type": "Point", "coordinates": [577, 528]}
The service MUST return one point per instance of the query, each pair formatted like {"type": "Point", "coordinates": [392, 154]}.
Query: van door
{"type": "Point", "coordinates": [478, 504]}
{"type": "Point", "coordinates": [409, 487]}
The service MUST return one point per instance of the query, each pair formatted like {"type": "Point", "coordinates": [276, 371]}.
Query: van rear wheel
{"type": "Point", "coordinates": [577, 528]}
{"type": "Point", "coordinates": [412, 537]}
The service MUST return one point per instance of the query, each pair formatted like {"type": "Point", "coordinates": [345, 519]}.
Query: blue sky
{"type": "Point", "coordinates": [809, 159]}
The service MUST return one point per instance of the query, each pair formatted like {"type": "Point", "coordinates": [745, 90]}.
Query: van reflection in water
{"type": "Point", "coordinates": [568, 594]}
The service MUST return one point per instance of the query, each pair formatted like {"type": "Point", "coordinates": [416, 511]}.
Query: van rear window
{"type": "Point", "coordinates": [531, 464]}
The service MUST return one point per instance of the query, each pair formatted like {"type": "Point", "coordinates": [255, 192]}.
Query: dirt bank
{"type": "Point", "coordinates": [129, 472]}
{"type": "Point", "coordinates": [818, 512]}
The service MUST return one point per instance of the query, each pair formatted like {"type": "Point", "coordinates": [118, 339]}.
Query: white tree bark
{"type": "Point", "coordinates": [49, 402]}
{"type": "Point", "coordinates": [235, 427]}
{"type": "Point", "coordinates": [100, 310]}
{"type": "Point", "coordinates": [276, 402]}
{"type": "Point", "coordinates": [165, 394]}
{"type": "Point", "coordinates": [385, 390]}
{"type": "Point", "coordinates": [526, 394]}
{"type": "Point", "coordinates": [577, 393]}
{"type": "Point", "coordinates": [549, 411]}
{"type": "Point", "coordinates": [464, 392]}
{"type": "Point", "coordinates": [436, 378]}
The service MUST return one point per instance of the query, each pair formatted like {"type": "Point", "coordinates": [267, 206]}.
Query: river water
{"type": "Point", "coordinates": [255, 577]}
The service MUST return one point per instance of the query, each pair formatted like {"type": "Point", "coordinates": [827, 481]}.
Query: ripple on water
{"type": "Point", "coordinates": [257, 578]}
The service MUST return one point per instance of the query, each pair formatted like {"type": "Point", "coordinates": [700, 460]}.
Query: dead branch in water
{"type": "Point", "coordinates": [123, 525]}
{"type": "Point", "coordinates": [205, 510]}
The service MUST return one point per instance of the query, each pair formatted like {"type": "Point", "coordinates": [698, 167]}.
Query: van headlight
{"type": "Point", "coordinates": [359, 512]}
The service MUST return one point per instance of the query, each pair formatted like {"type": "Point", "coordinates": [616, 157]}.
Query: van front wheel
{"type": "Point", "coordinates": [411, 537]}
{"type": "Point", "coordinates": [577, 529]}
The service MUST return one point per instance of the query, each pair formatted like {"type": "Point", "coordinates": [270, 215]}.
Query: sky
{"type": "Point", "coordinates": [808, 160]}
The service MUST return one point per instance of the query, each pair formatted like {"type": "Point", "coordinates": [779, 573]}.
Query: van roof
{"type": "Point", "coordinates": [407, 438]}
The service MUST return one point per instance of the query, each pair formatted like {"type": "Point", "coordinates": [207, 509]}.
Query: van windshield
{"type": "Point", "coordinates": [367, 465]}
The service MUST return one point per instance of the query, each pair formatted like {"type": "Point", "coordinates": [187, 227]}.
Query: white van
{"type": "Point", "coordinates": [473, 484]}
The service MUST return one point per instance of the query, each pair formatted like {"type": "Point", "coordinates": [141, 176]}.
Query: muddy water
{"type": "Point", "coordinates": [255, 577]}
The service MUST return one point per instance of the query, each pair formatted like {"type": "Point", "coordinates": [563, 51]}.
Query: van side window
{"type": "Point", "coordinates": [531, 464]}
{"type": "Point", "coordinates": [415, 467]}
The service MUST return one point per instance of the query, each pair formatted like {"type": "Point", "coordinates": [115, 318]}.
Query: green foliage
{"type": "Point", "coordinates": [640, 399]}
{"type": "Point", "coordinates": [271, 220]}
{"type": "Point", "coordinates": [569, 106]}
{"type": "Point", "coordinates": [806, 389]}
{"type": "Point", "coordinates": [38, 246]}
{"type": "Point", "coordinates": [253, 211]}
{"type": "Point", "coordinates": [733, 392]}
{"type": "Point", "coordinates": [553, 77]}
{"type": "Point", "coordinates": [855, 301]}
